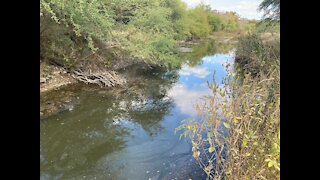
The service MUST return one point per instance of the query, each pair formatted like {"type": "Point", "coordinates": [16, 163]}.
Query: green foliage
{"type": "Point", "coordinates": [153, 19]}
{"type": "Point", "coordinates": [255, 56]}
{"type": "Point", "coordinates": [271, 9]}
{"type": "Point", "coordinates": [215, 22]}
{"type": "Point", "coordinates": [179, 18]}
{"type": "Point", "coordinates": [68, 29]}
{"type": "Point", "coordinates": [84, 18]}
{"type": "Point", "coordinates": [230, 21]}
{"type": "Point", "coordinates": [248, 25]}
{"type": "Point", "coordinates": [198, 22]}
{"type": "Point", "coordinates": [137, 30]}
{"type": "Point", "coordinates": [268, 26]}
{"type": "Point", "coordinates": [141, 29]}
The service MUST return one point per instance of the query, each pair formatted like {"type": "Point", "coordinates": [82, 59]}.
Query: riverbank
{"type": "Point", "coordinates": [53, 77]}
{"type": "Point", "coordinates": [59, 90]}
{"type": "Point", "coordinates": [56, 83]}
{"type": "Point", "coordinates": [251, 115]}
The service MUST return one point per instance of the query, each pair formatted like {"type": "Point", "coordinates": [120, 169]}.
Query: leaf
{"type": "Point", "coordinates": [270, 163]}
{"type": "Point", "coordinates": [211, 149]}
{"type": "Point", "coordinates": [209, 135]}
{"type": "Point", "coordinates": [181, 135]}
{"type": "Point", "coordinates": [184, 134]}
{"type": "Point", "coordinates": [193, 149]}
{"type": "Point", "coordinates": [226, 125]}
{"type": "Point", "coordinates": [196, 154]}
{"type": "Point", "coordinates": [247, 154]}
{"type": "Point", "coordinates": [221, 93]}
{"type": "Point", "coordinates": [244, 142]}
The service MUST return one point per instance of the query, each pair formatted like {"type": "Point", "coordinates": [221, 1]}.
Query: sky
{"type": "Point", "coordinates": [244, 8]}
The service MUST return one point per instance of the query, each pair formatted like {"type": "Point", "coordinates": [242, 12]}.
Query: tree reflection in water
{"type": "Point", "coordinates": [102, 121]}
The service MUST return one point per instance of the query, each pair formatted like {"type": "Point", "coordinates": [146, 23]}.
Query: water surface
{"type": "Point", "coordinates": [129, 133]}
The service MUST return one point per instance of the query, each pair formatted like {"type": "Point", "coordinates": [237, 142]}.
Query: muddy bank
{"type": "Point", "coordinates": [53, 77]}
{"type": "Point", "coordinates": [59, 91]}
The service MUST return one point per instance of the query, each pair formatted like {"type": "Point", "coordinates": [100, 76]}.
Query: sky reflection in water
{"type": "Point", "coordinates": [129, 135]}
{"type": "Point", "coordinates": [192, 84]}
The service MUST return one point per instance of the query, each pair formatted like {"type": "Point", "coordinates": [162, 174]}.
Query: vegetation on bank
{"type": "Point", "coordinates": [139, 30]}
{"type": "Point", "coordinates": [237, 132]}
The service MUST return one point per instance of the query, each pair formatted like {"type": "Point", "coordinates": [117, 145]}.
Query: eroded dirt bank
{"type": "Point", "coordinates": [59, 89]}
{"type": "Point", "coordinates": [53, 77]}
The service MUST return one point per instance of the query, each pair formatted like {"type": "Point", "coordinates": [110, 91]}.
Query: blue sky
{"type": "Point", "coordinates": [245, 8]}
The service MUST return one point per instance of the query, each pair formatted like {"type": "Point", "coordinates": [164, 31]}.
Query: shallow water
{"type": "Point", "coordinates": [129, 133]}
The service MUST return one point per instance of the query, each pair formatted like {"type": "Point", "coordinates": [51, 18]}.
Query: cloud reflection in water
{"type": "Point", "coordinates": [192, 85]}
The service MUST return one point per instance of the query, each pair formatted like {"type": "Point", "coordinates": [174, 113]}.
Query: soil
{"type": "Point", "coordinates": [53, 77]}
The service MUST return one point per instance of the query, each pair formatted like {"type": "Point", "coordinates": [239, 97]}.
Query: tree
{"type": "Point", "coordinates": [139, 30]}
{"type": "Point", "coordinates": [198, 22]}
{"type": "Point", "coordinates": [271, 9]}
{"type": "Point", "coordinates": [179, 18]}
{"type": "Point", "coordinates": [215, 22]}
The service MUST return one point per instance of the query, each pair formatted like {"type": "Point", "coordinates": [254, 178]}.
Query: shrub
{"type": "Point", "coordinates": [257, 56]}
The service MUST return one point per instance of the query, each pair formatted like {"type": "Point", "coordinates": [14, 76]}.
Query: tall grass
{"type": "Point", "coordinates": [237, 132]}
{"type": "Point", "coordinates": [256, 55]}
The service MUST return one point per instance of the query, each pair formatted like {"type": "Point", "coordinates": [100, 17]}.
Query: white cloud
{"type": "Point", "coordinates": [245, 8]}
{"type": "Point", "coordinates": [194, 71]}
{"type": "Point", "coordinates": [218, 59]}
{"type": "Point", "coordinates": [186, 99]}
{"type": "Point", "coordinates": [248, 9]}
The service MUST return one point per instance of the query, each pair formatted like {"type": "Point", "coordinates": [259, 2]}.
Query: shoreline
{"type": "Point", "coordinates": [53, 77]}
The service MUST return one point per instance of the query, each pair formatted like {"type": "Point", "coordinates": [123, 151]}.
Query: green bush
{"type": "Point", "coordinates": [268, 26]}
{"type": "Point", "coordinates": [198, 22]}
{"type": "Point", "coordinates": [215, 22]}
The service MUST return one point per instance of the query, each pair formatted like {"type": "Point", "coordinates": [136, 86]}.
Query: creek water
{"type": "Point", "coordinates": [129, 133]}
